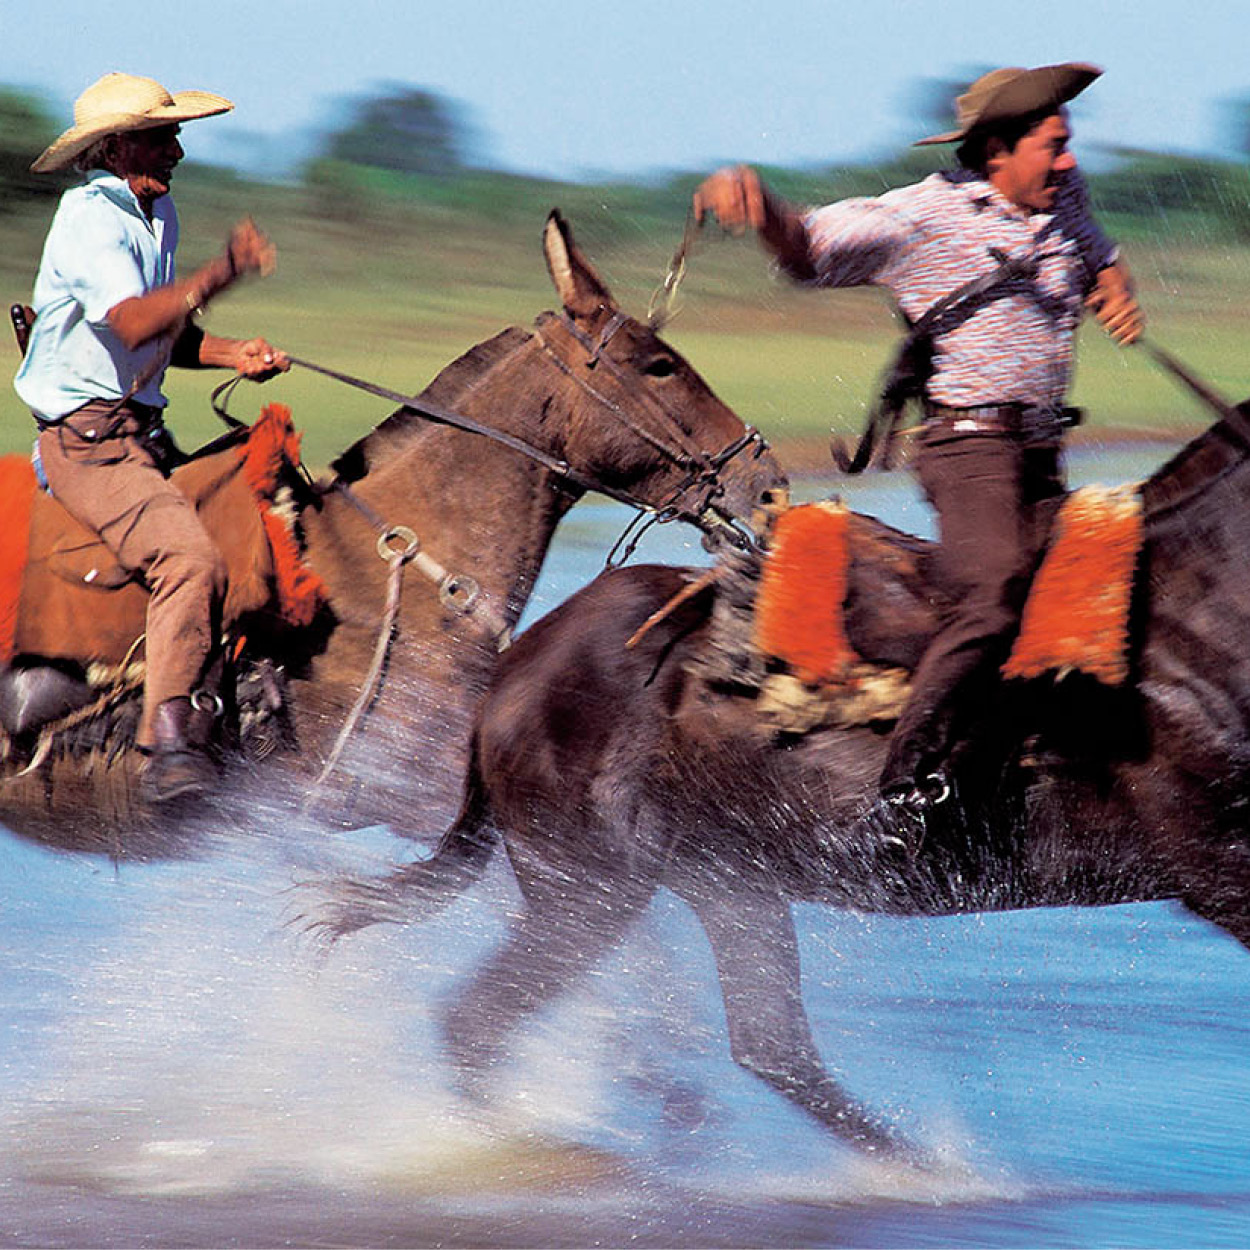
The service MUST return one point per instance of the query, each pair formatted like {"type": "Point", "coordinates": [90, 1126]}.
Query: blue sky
{"type": "Point", "coordinates": [576, 90]}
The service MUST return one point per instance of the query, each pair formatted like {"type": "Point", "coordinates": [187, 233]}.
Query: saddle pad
{"type": "Point", "coordinates": [1077, 614]}
{"type": "Point", "coordinates": [798, 611]}
{"type": "Point", "coordinates": [1076, 617]}
{"type": "Point", "coordinates": [17, 489]}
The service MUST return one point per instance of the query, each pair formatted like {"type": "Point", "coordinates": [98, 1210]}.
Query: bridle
{"type": "Point", "coordinates": [695, 496]}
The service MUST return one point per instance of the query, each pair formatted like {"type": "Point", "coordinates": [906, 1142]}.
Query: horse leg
{"type": "Point", "coordinates": [558, 936]}
{"type": "Point", "coordinates": [757, 958]}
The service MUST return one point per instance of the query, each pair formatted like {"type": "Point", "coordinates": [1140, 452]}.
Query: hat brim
{"type": "Point", "coordinates": [1049, 86]}
{"type": "Point", "coordinates": [185, 106]}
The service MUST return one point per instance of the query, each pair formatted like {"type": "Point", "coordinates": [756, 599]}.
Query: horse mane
{"type": "Point", "coordinates": [443, 392]}
{"type": "Point", "coordinates": [1187, 478]}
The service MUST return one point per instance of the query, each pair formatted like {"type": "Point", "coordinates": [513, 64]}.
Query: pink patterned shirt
{"type": "Point", "coordinates": [1013, 344]}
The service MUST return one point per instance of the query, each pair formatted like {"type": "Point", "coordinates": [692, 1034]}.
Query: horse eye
{"type": "Point", "coordinates": [660, 367]}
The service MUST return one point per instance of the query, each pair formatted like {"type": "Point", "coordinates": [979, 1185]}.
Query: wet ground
{"type": "Point", "coordinates": [179, 1067]}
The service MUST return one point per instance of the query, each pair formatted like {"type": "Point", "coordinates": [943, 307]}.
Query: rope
{"type": "Point", "coordinates": [1189, 379]}
{"type": "Point", "coordinates": [373, 678]}
{"type": "Point", "coordinates": [663, 306]}
{"type": "Point", "coordinates": [456, 591]}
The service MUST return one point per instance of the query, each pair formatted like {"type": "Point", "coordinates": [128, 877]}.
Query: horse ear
{"type": "Point", "coordinates": [579, 287]}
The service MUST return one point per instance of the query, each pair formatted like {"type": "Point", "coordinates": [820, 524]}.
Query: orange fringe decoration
{"type": "Point", "coordinates": [17, 493]}
{"type": "Point", "coordinates": [798, 611]}
{"type": "Point", "coordinates": [1077, 614]}
{"type": "Point", "coordinates": [271, 444]}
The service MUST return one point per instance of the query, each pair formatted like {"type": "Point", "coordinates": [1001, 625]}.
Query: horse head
{"type": "Point", "coordinates": [655, 431]}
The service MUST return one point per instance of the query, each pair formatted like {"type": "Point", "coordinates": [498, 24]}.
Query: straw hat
{"type": "Point", "coordinates": [121, 102]}
{"type": "Point", "coordinates": [1006, 93]}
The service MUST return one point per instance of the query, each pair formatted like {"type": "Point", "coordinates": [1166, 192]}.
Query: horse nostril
{"type": "Point", "coordinates": [775, 499]}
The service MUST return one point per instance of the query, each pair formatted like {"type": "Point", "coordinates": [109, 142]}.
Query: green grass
{"type": "Point", "coordinates": [392, 290]}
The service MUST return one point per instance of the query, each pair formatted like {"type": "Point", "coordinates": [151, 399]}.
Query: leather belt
{"type": "Point", "coordinates": [149, 416]}
{"type": "Point", "coordinates": [1021, 419]}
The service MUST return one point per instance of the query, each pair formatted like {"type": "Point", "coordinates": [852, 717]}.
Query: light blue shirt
{"type": "Point", "coordinates": [100, 250]}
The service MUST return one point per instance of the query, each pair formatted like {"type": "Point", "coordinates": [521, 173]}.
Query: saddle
{"type": "Point", "coordinates": [824, 629]}
{"type": "Point", "coordinates": [65, 602]}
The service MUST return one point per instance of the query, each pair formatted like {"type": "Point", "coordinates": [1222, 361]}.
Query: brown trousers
{"type": "Point", "coordinates": [996, 497]}
{"type": "Point", "coordinates": [100, 469]}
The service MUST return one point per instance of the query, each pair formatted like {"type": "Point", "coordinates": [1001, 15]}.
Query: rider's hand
{"type": "Point", "coordinates": [250, 251]}
{"type": "Point", "coordinates": [1112, 301]}
{"type": "Point", "coordinates": [734, 196]}
{"type": "Point", "coordinates": [258, 360]}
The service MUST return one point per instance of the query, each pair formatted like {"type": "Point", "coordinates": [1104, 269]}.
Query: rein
{"type": "Point", "coordinates": [561, 468]}
{"type": "Point", "coordinates": [663, 306]}
{"type": "Point", "coordinates": [704, 467]}
{"type": "Point", "coordinates": [440, 416]}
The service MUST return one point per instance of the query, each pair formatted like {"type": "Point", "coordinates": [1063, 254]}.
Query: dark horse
{"type": "Point", "coordinates": [587, 387]}
{"type": "Point", "coordinates": [610, 772]}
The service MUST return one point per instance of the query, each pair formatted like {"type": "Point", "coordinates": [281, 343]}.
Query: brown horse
{"type": "Point", "coordinates": [610, 772]}
{"type": "Point", "coordinates": [587, 387]}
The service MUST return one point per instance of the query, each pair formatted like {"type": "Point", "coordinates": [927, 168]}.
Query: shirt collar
{"type": "Point", "coordinates": [982, 193]}
{"type": "Point", "coordinates": [118, 190]}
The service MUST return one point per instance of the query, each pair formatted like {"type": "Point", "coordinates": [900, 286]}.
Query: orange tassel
{"type": "Point", "coordinates": [271, 444]}
{"type": "Point", "coordinates": [798, 611]}
{"type": "Point", "coordinates": [1077, 614]}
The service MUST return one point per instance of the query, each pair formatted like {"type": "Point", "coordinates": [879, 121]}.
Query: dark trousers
{"type": "Point", "coordinates": [996, 497]}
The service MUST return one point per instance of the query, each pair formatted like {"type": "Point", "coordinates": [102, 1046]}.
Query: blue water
{"type": "Point", "coordinates": [180, 1068]}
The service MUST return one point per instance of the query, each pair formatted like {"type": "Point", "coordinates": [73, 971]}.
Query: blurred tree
{"type": "Point", "coordinates": [25, 130]}
{"type": "Point", "coordinates": [1234, 125]}
{"type": "Point", "coordinates": [929, 103]}
{"type": "Point", "coordinates": [1153, 188]}
{"type": "Point", "coordinates": [407, 130]}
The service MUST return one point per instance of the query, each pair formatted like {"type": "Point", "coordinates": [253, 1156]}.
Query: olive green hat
{"type": "Point", "coordinates": [1003, 94]}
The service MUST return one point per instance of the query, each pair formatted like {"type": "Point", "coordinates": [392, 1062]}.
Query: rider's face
{"type": "Point", "coordinates": [146, 159]}
{"type": "Point", "coordinates": [1028, 173]}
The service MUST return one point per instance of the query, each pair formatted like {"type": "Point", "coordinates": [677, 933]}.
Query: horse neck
{"type": "Point", "coordinates": [1197, 522]}
{"type": "Point", "coordinates": [1196, 597]}
{"type": "Point", "coordinates": [479, 509]}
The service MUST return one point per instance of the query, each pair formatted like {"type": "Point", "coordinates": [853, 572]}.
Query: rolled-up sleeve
{"type": "Point", "coordinates": [857, 241]}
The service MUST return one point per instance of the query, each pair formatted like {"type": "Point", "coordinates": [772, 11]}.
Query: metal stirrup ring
{"type": "Point", "coordinates": [206, 701]}
{"type": "Point", "coordinates": [387, 541]}
{"type": "Point", "coordinates": [459, 592]}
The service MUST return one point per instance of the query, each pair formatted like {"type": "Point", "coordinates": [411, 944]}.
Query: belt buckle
{"type": "Point", "coordinates": [1041, 424]}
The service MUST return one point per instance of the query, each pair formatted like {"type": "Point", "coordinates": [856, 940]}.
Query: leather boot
{"type": "Point", "coordinates": [177, 769]}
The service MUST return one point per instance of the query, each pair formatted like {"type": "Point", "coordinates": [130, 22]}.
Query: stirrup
{"type": "Point", "coordinates": [913, 802]}
{"type": "Point", "coordinates": [922, 795]}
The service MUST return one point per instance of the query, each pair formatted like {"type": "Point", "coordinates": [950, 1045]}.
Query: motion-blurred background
{"type": "Point", "coordinates": [403, 158]}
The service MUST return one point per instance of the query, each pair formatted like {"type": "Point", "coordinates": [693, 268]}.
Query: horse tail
{"type": "Point", "coordinates": [416, 891]}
